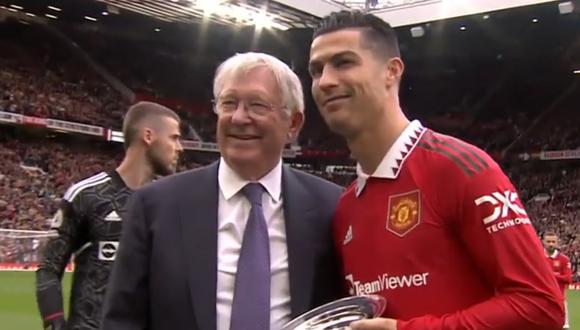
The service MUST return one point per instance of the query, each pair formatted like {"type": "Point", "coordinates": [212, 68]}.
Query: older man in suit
{"type": "Point", "coordinates": [242, 244]}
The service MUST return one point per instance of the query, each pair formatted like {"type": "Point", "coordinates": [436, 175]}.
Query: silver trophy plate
{"type": "Point", "coordinates": [338, 314]}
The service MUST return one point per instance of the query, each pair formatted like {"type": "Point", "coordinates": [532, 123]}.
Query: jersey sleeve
{"type": "Point", "coordinates": [565, 276]}
{"type": "Point", "coordinates": [67, 224]}
{"type": "Point", "coordinates": [498, 235]}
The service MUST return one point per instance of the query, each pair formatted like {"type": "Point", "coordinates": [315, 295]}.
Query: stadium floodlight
{"type": "Point", "coordinates": [261, 20]}
{"type": "Point", "coordinates": [89, 18]}
{"type": "Point", "coordinates": [51, 16]}
{"type": "Point", "coordinates": [54, 8]}
{"type": "Point", "coordinates": [208, 6]}
{"type": "Point", "coordinates": [17, 7]}
{"type": "Point", "coordinates": [576, 71]}
{"type": "Point", "coordinates": [241, 14]}
{"type": "Point", "coordinates": [30, 14]}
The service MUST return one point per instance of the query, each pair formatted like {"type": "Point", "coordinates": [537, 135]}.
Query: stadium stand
{"type": "Point", "coordinates": [40, 78]}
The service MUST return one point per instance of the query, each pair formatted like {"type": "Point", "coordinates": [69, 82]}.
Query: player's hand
{"type": "Point", "coordinates": [375, 324]}
{"type": "Point", "coordinates": [56, 324]}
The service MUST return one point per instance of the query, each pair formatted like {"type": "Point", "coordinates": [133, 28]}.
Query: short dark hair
{"type": "Point", "coordinates": [379, 35]}
{"type": "Point", "coordinates": [549, 233]}
{"type": "Point", "coordinates": [140, 113]}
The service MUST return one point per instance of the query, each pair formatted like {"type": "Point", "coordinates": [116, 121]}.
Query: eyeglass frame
{"type": "Point", "coordinates": [246, 106]}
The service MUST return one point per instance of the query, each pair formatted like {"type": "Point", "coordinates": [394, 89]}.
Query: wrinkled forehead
{"type": "Point", "coordinates": [257, 80]}
{"type": "Point", "coordinates": [243, 71]}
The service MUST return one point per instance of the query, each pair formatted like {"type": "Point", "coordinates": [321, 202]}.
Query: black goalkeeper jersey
{"type": "Point", "coordinates": [89, 227]}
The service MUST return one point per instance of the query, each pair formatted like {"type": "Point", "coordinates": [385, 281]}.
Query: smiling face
{"type": "Point", "coordinates": [350, 82]}
{"type": "Point", "coordinates": [255, 139]}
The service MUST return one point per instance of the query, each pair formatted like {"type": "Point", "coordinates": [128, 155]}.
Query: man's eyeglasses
{"type": "Point", "coordinates": [254, 107]}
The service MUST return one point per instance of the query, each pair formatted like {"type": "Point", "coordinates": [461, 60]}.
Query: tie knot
{"type": "Point", "coordinates": [253, 192]}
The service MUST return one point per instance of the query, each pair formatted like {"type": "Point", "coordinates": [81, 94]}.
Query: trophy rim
{"type": "Point", "coordinates": [377, 302]}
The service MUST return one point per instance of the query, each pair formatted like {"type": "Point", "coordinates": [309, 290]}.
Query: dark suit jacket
{"type": "Point", "coordinates": [165, 274]}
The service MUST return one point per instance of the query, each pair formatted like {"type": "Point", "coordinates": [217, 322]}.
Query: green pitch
{"type": "Point", "coordinates": [18, 309]}
{"type": "Point", "coordinates": [574, 309]}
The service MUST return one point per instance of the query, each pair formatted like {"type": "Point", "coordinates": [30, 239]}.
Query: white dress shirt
{"type": "Point", "coordinates": [233, 212]}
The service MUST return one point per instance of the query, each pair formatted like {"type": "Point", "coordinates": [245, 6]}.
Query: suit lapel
{"type": "Point", "coordinates": [199, 223]}
{"type": "Point", "coordinates": [299, 209]}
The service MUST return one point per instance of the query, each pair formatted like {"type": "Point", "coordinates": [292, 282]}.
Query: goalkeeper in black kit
{"type": "Point", "coordinates": [91, 215]}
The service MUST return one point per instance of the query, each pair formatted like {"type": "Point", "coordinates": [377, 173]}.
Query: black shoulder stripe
{"type": "Point", "coordinates": [449, 155]}
{"type": "Point", "coordinates": [466, 148]}
{"type": "Point", "coordinates": [463, 151]}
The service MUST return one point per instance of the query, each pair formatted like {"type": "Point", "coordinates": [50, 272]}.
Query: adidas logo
{"type": "Point", "coordinates": [348, 236]}
{"type": "Point", "coordinates": [113, 216]}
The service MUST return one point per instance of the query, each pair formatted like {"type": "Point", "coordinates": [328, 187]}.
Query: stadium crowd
{"type": "Point", "coordinates": [559, 212]}
{"type": "Point", "coordinates": [40, 78]}
{"type": "Point", "coordinates": [34, 176]}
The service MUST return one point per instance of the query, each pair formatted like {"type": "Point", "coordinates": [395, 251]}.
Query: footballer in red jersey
{"type": "Point", "coordinates": [560, 265]}
{"type": "Point", "coordinates": [432, 223]}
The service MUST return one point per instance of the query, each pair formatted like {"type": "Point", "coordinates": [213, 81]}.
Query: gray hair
{"type": "Point", "coordinates": [288, 82]}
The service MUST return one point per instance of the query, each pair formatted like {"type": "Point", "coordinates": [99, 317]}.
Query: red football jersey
{"type": "Point", "coordinates": [440, 232]}
{"type": "Point", "coordinates": [561, 268]}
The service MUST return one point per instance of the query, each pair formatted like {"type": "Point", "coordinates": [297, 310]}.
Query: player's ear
{"type": "Point", "coordinates": [394, 71]}
{"type": "Point", "coordinates": [148, 135]}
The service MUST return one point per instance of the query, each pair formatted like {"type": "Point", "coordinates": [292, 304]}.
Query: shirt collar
{"type": "Point", "coordinates": [392, 163]}
{"type": "Point", "coordinates": [553, 255]}
{"type": "Point", "coordinates": [231, 183]}
{"type": "Point", "coordinates": [118, 180]}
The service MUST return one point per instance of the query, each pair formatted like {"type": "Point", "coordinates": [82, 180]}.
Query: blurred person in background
{"type": "Point", "coordinates": [89, 220]}
{"type": "Point", "coordinates": [561, 266]}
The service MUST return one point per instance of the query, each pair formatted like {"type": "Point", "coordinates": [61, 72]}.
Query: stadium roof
{"type": "Point", "coordinates": [249, 12]}
{"type": "Point", "coordinates": [279, 14]}
{"type": "Point", "coordinates": [406, 12]}
{"type": "Point", "coordinates": [543, 28]}
{"type": "Point", "coordinates": [266, 14]}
